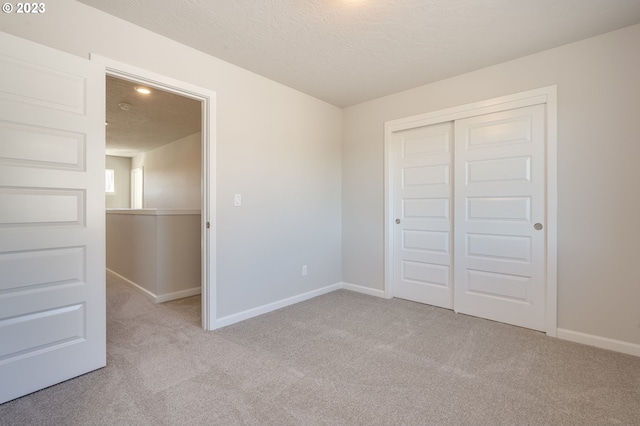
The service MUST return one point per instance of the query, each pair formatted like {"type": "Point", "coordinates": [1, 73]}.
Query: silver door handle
{"type": "Point", "coordinates": [397, 220]}
{"type": "Point", "coordinates": [537, 226]}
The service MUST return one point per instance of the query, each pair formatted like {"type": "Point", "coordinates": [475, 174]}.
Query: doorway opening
{"type": "Point", "coordinates": [200, 200]}
{"type": "Point", "coordinates": [153, 225]}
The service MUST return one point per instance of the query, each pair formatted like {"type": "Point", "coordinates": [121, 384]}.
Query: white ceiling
{"type": "Point", "coordinates": [150, 121]}
{"type": "Point", "coordinates": [342, 51]}
{"type": "Point", "coordinates": [350, 51]}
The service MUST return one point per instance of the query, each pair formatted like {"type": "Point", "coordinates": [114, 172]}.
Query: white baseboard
{"type": "Point", "coordinates": [149, 295]}
{"type": "Point", "coordinates": [600, 342]}
{"type": "Point", "coordinates": [254, 312]}
{"type": "Point", "coordinates": [178, 294]}
{"type": "Point", "coordinates": [155, 298]}
{"type": "Point", "coordinates": [362, 289]}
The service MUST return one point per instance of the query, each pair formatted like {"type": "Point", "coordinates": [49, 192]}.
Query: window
{"type": "Point", "coordinates": [110, 181]}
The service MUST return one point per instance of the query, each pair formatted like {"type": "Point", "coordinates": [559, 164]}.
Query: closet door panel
{"type": "Point", "coordinates": [499, 216]}
{"type": "Point", "coordinates": [423, 212]}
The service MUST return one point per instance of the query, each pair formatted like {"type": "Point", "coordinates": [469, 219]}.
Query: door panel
{"type": "Point", "coordinates": [499, 196]}
{"type": "Point", "coordinates": [509, 209]}
{"type": "Point", "coordinates": [52, 268]}
{"type": "Point", "coordinates": [422, 239]}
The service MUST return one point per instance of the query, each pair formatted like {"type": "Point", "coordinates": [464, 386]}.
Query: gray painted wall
{"type": "Point", "coordinates": [172, 174]}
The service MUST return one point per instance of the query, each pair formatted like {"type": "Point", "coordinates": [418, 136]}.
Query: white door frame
{"type": "Point", "coordinates": [208, 207]}
{"type": "Point", "coordinates": [545, 95]}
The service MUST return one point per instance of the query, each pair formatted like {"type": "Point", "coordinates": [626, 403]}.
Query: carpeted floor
{"type": "Point", "coordinates": [339, 359]}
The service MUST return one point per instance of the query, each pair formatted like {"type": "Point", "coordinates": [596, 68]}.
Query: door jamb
{"type": "Point", "coordinates": [545, 95]}
{"type": "Point", "coordinates": [208, 176]}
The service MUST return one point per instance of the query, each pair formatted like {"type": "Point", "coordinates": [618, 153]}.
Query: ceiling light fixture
{"type": "Point", "coordinates": [142, 90]}
{"type": "Point", "coordinates": [125, 106]}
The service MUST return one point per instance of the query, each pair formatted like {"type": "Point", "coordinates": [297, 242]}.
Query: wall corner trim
{"type": "Point", "coordinates": [600, 342]}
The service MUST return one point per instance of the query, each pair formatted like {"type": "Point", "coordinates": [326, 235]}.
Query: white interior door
{"type": "Point", "coordinates": [52, 255]}
{"type": "Point", "coordinates": [422, 237]}
{"type": "Point", "coordinates": [500, 216]}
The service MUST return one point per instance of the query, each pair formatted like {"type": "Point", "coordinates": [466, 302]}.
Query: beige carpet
{"type": "Point", "coordinates": [340, 359]}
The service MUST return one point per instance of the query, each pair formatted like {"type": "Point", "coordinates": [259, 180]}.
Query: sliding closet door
{"type": "Point", "coordinates": [422, 210]}
{"type": "Point", "coordinates": [500, 216]}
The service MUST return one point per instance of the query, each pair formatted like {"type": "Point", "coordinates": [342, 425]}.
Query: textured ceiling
{"type": "Point", "coordinates": [349, 51]}
{"type": "Point", "coordinates": [153, 120]}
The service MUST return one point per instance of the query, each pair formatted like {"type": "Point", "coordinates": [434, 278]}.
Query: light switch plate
{"type": "Point", "coordinates": [238, 200]}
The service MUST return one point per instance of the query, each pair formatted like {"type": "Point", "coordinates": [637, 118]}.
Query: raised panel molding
{"type": "Point", "coordinates": [33, 146]}
{"type": "Point", "coordinates": [64, 91]}
{"type": "Point", "coordinates": [503, 132]}
{"type": "Point", "coordinates": [513, 287]}
{"type": "Point", "coordinates": [499, 247]}
{"type": "Point", "coordinates": [41, 331]}
{"type": "Point", "coordinates": [512, 209]}
{"type": "Point", "coordinates": [426, 145]}
{"type": "Point", "coordinates": [504, 169]}
{"type": "Point", "coordinates": [427, 175]}
{"type": "Point", "coordinates": [426, 273]}
{"type": "Point", "coordinates": [426, 208]}
{"type": "Point", "coordinates": [41, 268]}
{"type": "Point", "coordinates": [437, 241]}
{"type": "Point", "coordinates": [43, 207]}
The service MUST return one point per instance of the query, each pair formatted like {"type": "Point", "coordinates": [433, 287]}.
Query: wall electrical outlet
{"type": "Point", "coordinates": [304, 269]}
